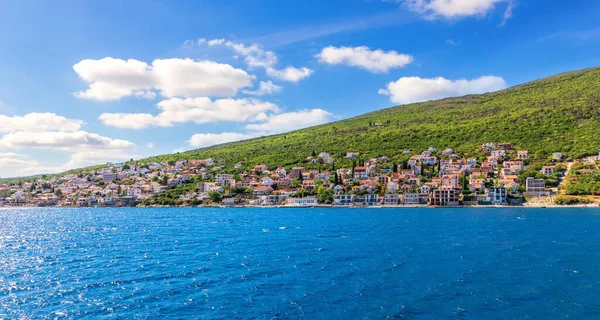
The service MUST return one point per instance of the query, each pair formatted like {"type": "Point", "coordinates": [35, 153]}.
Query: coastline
{"type": "Point", "coordinates": [553, 206]}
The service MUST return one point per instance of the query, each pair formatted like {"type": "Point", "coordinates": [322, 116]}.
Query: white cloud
{"type": "Point", "coordinates": [290, 74]}
{"type": "Point", "coordinates": [198, 110]}
{"type": "Point", "coordinates": [376, 61]}
{"type": "Point", "coordinates": [415, 89]}
{"type": "Point", "coordinates": [256, 57]}
{"type": "Point", "coordinates": [150, 145]}
{"type": "Point", "coordinates": [145, 94]}
{"type": "Point", "coordinates": [10, 155]}
{"type": "Point", "coordinates": [112, 79]}
{"type": "Point", "coordinates": [290, 121]}
{"type": "Point", "coordinates": [215, 42]}
{"type": "Point", "coordinates": [16, 163]}
{"type": "Point", "coordinates": [62, 141]}
{"type": "Point", "coordinates": [201, 140]}
{"type": "Point", "coordinates": [454, 9]}
{"type": "Point", "coordinates": [38, 122]}
{"type": "Point", "coordinates": [264, 89]}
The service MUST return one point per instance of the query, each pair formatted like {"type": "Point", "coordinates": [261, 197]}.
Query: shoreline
{"type": "Point", "coordinates": [588, 206]}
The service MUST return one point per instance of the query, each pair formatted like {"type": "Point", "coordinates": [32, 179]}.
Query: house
{"type": "Point", "coordinates": [498, 153]}
{"type": "Point", "coordinates": [430, 160]}
{"type": "Point", "coordinates": [548, 170]}
{"type": "Point", "coordinates": [352, 155]}
{"type": "Point", "coordinates": [392, 187]}
{"type": "Point", "coordinates": [343, 199]}
{"type": "Point", "coordinates": [406, 188]}
{"type": "Point", "coordinates": [297, 172]}
{"type": "Point", "coordinates": [445, 162]}
{"type": "Point", "coordinates": [325, 176]}
{"type": "Point", "coordinates": [267, 182]}
{"type": "Point", "coordinates": [261, 191]}
{"type": "Point", "coordinates": [488, 146]}
{"type": "Point", "coordinates": [371, 199]}
{"type": "Point", "coordinates": [557, 156]}
{"type": "Point", "coordinates": [410, 198]}
{"type": "Point", "coordinates": [309, 185]}
{"type": "Point", "coordinates": [535, 186]}
{"type": "Point", "coordinates": [522, 155]}
{"type": "Point", "coordinates": [450, 182]}
{"type": "Point", "coordinates": [444, 197]}
{"type": "Point", "coordinates": [302, 202]}
{"type": "Point", "coordinates": [447, 151]}
{"type": "Point", "coordinates": [338, 189]}
{"type": "Point", "coordinates": [229, 201]}
{"type": "Point", "coordinates": [108, 176]}
{"type": "Point", "coordinates": [223, 179]}
{"type": "Point", "coordinates": [425, 189]}
{"type": "Point", "coordinates": [476, 185]}
{"type": "Point", "coordinates": [505, 146]}
{"type": "Point", "coordinates": [514, 166]}
{"type": "Point", "coordinates": [361, 172]}
{"type": "Point", "coordinates": [261, 168]}
{"type": "Point", "coordinates": [391, 199]}
{"type": "Point", "coordinates": [281, 172]}
{"type": "Point", "coordinates": [472, 161]}
{"type": "Point", "coordinates": [496, 196]}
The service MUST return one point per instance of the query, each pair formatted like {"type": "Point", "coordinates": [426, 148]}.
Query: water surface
{"type": "Point", "coordinates": [300, 263]}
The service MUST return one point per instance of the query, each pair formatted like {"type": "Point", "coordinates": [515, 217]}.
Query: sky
{"type": "Point", "coordinates": [88, 82]}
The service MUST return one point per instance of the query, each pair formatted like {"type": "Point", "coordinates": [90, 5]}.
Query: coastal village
{"type": "Point", "coordinates": [502, 175]}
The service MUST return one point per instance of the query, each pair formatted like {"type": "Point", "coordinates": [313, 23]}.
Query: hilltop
{"type": "Point", "coordinates": [556, 114]}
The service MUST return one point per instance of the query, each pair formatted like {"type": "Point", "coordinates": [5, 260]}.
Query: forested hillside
{"type": "Point", "coordinates": [560, 113]}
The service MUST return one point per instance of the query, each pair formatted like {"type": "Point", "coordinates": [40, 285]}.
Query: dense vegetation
{"type": "Point", "coordinates": [583, 179]}
{"type": "Point", "coordinates": [560, 113]}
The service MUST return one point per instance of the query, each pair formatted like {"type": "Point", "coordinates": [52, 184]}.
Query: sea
{"type": "Point", "coordinates": [303, 263]}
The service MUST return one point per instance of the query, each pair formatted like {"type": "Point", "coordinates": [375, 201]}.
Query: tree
{"type": "Point", "coordinates": [395, 167]}
{"type": "Point", "coordinates": [58, 193]}
{"type": "Point", "coordinates": [215, 197]}
{"type": "Point", "coordinates": [324, 195]}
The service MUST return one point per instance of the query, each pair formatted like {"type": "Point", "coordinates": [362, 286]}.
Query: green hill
{"type": "Point", "coordinates": [556, 114]}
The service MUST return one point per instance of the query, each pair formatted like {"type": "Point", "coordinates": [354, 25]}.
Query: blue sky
{"type": "Point", "coordinates": [85, 82]}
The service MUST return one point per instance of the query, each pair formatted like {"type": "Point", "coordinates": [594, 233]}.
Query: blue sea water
{"type": "Point", "coordinates": [300, 263]}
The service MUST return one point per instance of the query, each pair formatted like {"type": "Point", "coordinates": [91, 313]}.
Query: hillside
{"type": "Point", "coordinates": [559, 113]}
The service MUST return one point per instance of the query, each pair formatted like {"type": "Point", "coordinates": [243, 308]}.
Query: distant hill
{"type": "Point", "coordinates": [556, 114]}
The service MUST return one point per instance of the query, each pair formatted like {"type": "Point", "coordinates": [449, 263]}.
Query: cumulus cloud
{"type": "Point", "coordinates": [290, 74]}
{"type": "Point", "coordinates": [38, 122]}
{"type": "Point", "coordinates": [271, 124]}
{"type": "Point", "coordinates": [10, 155]}
{"type": "Point", "coordinates": [415, 89]}
{"type": "Point", "coordinates": [63, 141]}
{"type": "Point", "coordinates": [256, 57]}
{"type": "Point", "coordinates": [376, 61]}
{"type": "Point", "coordinates": [112, 79]}
{"type": "Point", "coordinates": [198, 110]}
{"type": "Point", "coordinates": [6, 162]}
{"type": "Point", "coordinates": [201, 140]}
{"type": "Point", "coordinates": [455, 9]}
{"type": "Point", "coordinates": [290, 121]}
{"type": "Point", "coordinates": [264, 88]}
